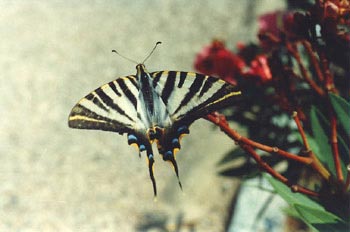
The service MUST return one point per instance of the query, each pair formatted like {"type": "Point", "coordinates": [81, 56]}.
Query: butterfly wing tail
{"type": "Point", "coordinates": [150, 159]}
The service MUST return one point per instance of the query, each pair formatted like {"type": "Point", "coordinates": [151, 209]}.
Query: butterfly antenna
{"type": "Point", "coordinates": [115, 51]}
{"type": "Point", "coordinates": [154, 48]}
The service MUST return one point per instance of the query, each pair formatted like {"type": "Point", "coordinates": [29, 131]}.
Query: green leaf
{"type": "Point", "coordinates": [320, 129]}
{"type": "Point", "coordinates": [344, 154]}
{"type": "Point", "coordinates": [342, 109]}
{"type": "Point", "coordinates": [320, 135]}
{"type": "Point", "coordinates": [291, 197]}
{"type": "Point", "coordinates": [308, 210]}
{"type": "Point", "coordinates": [321, 220]}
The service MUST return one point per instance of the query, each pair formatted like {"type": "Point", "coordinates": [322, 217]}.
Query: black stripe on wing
{"type": "Point", "coordinates": [183, 76]}
{"type": "Point", "coordinates": [133, 81]}
{"type": "Point", "coordinates": [110, 103]}
{"type": "Point", "coordinates": [168, 87]}
{"type": "Point", "coordinates": [83, 118]}
{"type": "Point", "coordinates": [92, 97]}
{"type": "Point", "coordinates": [156, 76]}
{"type": "Point", "coordinates": [192, 95]}
{"type": "Point", "coordinates": [127, 91]}
{"type": "Point", "coordinates": [209, 81]}
{"type": "Point", "coordinates": [114, 88]}
{"type": "Point", "coordinates": [195, 87]}
{"type": "Point", "coordinates": [224, 97]}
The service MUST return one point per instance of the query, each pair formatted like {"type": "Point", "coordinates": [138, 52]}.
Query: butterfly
{"type": "Point", "coordinates": [152, 107]}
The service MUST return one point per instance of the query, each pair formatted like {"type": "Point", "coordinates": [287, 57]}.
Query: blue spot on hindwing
{"type": "Point", "coordinates": [142, 147]}
{"type": "Point", "coordinates": [183, 130]}
{"type": "Point", "coordinates": [168, 155]}
{"type": "Point", "coordinates": [132, 139]}
{"type": "Point", "coordinates": [176, 143]}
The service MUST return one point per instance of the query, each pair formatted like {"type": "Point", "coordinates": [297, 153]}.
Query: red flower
{"type": "Point", "coordinates": [293, 25]}
{"type": "Point", "coordinates": [215, 59]}
{"type": "Point", "coordinates": [260, 69]}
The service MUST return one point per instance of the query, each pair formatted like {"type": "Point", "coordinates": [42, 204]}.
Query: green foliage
{"type": "Point", "coordinates": [342, 109]}
{"type": "Point", "coordinates": [320, 135]}
{"type": "Point", "coordinates": [321, 132]}
{"type": "Point", "coordinates": [308, 210]}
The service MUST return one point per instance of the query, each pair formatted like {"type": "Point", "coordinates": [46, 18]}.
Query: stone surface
{"type": "Point", "coordinates": [52, 53]}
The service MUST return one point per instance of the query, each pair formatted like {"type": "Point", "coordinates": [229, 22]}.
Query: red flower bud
{"type": "Point", "coordinates": [259, 68]}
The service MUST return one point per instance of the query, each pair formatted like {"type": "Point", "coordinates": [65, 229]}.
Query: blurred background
{"type": "Point", "coordinates": [52, 53]}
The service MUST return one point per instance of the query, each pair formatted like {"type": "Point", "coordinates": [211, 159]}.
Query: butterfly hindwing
{"type": "Point", "coordinates": [111, 107]}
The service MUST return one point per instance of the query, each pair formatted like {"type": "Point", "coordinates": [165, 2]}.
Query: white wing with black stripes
{"type": "Point", "coordinates": [110, 107]}
{"type": "Point", "coordinates": [191, 95]}
{"type": "Point", "coordinates": [158, 106]}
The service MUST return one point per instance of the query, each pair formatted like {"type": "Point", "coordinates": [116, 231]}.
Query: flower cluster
{"type": "Point", "coordinates": [216, 59]}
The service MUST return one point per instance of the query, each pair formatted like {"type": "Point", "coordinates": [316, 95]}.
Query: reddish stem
{"type": "Point", "coordinates": [292, 50]}
{"type": "Point", "coordinates": [222, 123]}
{"type": "Point", "coordinates": [313, 59]}
{"type": "Point", "coordinates": [301, 131]}
{"type": "Point", "coordinates": [316, 164]}
{"type": "Point", "coordinates": [335, 149]}
{"type": "Point", "coordinates": [248, 145]}
{"type": "Point", "coordinates": [300, 189]}
{"type": "Point", "coordinates": [329, 85]}
{"type": "Point", "coordinates": [250, 150]}
{"type": "Point", "coordinates": [328, 81]}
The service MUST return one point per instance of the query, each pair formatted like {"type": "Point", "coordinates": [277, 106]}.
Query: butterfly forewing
{"type": "Point", "coordinates": [190, 94]}
{"type": "Point", "coordinates": [111, 107]}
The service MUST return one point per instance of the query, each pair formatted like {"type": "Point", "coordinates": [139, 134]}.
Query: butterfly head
{"type": "Point", "coordinates": [140, 68]}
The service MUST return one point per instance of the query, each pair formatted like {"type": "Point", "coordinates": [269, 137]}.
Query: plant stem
{"type": "Point", "coordinates": [300, 189]}
{"type": "Point", "coordinates": [222, 123]}
{"type": "Point", "coordinates": [316, 164]}
{"type": "Point", "coordinates": [248, 145]}
{"type": "Point", "coordinates": [313, 59]}
{"type": "Point", "coordinates": [301, 131]}
{"type": "Point", "coordinates": [334, 145]}
{"type": "Point", "coordinates": [292, 50]}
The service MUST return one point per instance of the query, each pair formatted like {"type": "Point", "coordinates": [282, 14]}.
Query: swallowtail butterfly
{"type": "Point", "coordinates": [152, 107]}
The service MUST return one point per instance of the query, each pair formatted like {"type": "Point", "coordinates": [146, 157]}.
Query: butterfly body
{"type": "Point", "coordinates": [152, 107]}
